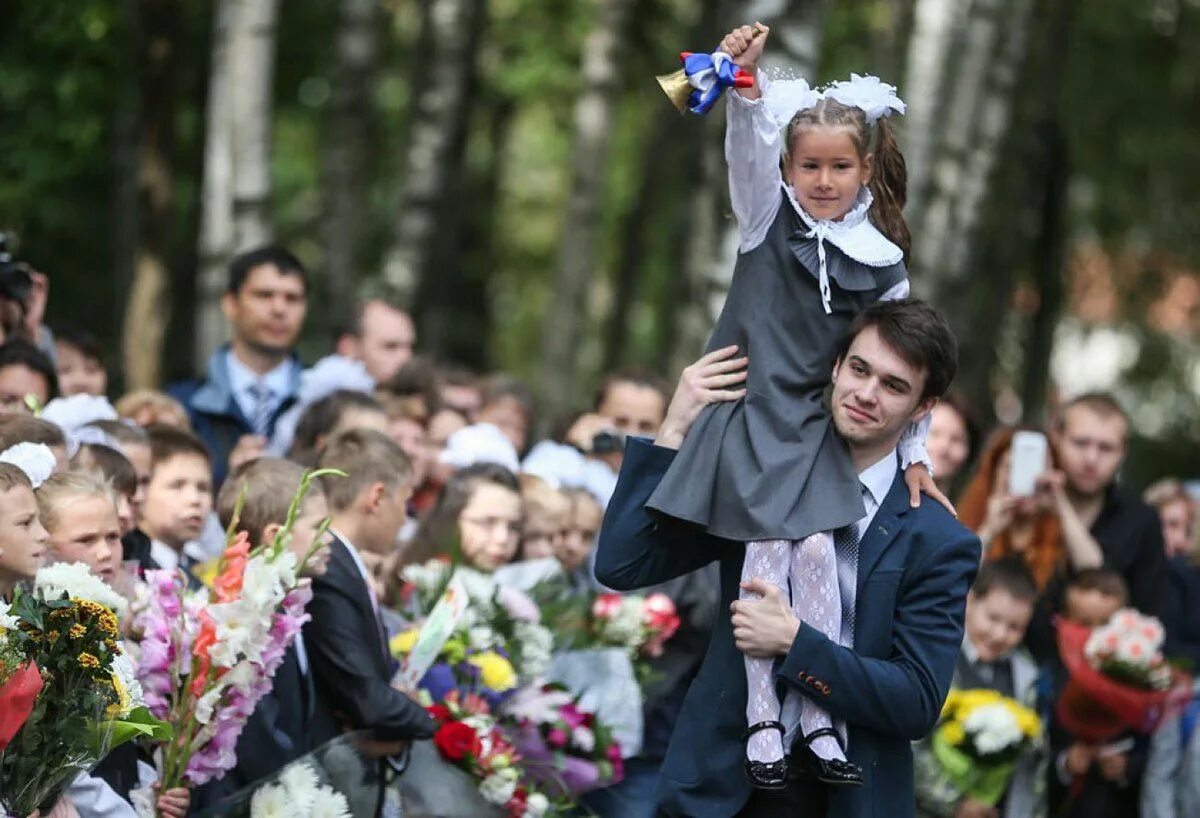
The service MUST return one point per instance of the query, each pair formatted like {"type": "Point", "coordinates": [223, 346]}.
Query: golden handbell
{"type": "Point", "coordinates": [676, 86]}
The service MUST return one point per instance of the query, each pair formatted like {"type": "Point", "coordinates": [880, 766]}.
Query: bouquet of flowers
{"type": "Point", "coordinates": [297, 793]}
{"type": "Point", "coordinates": [468, 737]}
{"type": "Point", "coordinates": [497, 644]}
{"type": "Point", "coordinates": [638, 624]}
{"type": "Point", "coordinates": [70, 695]}
{"type": "Point", "coordinates": [1119, 679]}
{"type": "Point", "coordinates": [206, 660]}
{"type": "Point", "coordinates": [978, 739]}
{"type": "Point", "coordinates": [563, 747]}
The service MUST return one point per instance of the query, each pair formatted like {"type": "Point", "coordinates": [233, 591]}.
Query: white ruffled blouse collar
{"type": "Point", "coordinates": [853, 234]}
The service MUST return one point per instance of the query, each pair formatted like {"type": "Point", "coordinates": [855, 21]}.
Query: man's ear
{"type": "Point", "coordinates": [269, 533]}
{"type": "Point", "coordinates": [228, 306]}
{"type": "Point", "coordinates": [347, 346]}
{"type": "Point", "coordinates": [836, 366]}
{"type": "Point", "coordinates": [923, 409]}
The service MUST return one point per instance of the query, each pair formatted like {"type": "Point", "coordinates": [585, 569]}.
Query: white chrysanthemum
{"type": "Point", "coordinates": [328, 803]}
{"type": "Point", "coordinates": [300, 782]}
{"type": "Point", "coordinates": [497, 789]}
{"type": "Point", "coordinates": [481, 637]}
{"type": "Point", "coordinates": [271, 801]}
{"type": "Point", "coordinates": [78, 582]}
{"type": "Point", "coordinates": [123, 669]}
{"type": "Point", "coordinates": [35, 459]}
{"type": "Point", "coordinates": [993, 727]}
{"type": "Point", "coordinates": [584, 739]}
{"type": "Point", "coordinates": [7, 620]}
{"type": "Point", "coordinates": [536, 805]}
{"type": "Point", "coordinates": [537, 646]}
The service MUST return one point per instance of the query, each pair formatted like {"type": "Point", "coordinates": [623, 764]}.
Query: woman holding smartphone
{"type": "Point", "coordinates": [1017, 503]}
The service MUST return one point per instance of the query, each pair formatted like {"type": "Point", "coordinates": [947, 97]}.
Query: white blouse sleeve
{"type": "Point", "coordinates": [897, 291]}
{"type": "Point", "coordinates": [912, 444]}
{"type": "Point", "coordinates": [752, 152]}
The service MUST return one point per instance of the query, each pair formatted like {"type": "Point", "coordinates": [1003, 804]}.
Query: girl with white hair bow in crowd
{"type": "Point", "coordinates": [820, 242]}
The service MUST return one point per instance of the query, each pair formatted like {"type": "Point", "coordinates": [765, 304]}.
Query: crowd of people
{"type": "Point", "coordinates": [833, 617]}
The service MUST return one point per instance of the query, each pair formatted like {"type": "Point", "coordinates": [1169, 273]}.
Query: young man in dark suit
{"type": "Point", "coordinates": [346, 639]}
{"type": "Point", "coordinates": [912, 569]}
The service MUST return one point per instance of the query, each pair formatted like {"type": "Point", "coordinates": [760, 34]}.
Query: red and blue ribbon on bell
{"type": "Point", "coordinates": [704, 77]}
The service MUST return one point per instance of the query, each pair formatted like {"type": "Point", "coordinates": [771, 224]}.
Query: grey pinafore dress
{"type": "Point", "coordinates": [770, 466]}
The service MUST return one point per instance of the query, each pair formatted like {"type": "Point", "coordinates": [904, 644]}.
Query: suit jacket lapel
{"type": "Point", "coordinates": [352, 578]}
{"type": "Point", "coordinates": [882, 530]}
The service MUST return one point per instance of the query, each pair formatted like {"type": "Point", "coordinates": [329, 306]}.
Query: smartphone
{"type": "Point", "coordinates": [1028, 460]}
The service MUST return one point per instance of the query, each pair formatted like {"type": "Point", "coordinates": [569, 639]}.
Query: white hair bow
{"type": "Point", "coordinates": [787, 97]}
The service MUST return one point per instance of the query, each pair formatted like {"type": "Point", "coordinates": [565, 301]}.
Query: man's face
{"type": "Point", "coordinates": [267, 312]}
{"type": "Point", "coordinates": [18, 381]}
{"type": "Point", "coordinates": [1090, 449]}
{"type": "Point", "coordinates": [876, 393]}
{"type": "Point", "coordinates": [387, 340]}
{"type": "Point", "coordinates": [635, 409]}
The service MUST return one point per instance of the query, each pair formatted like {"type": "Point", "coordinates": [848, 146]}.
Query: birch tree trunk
{"type": "Point", "coordinates": [252, 63]}
{"type": "Point", "coordinates": [345, 153]}
{"type": "Point", "coordinates": [577, 259]}
{"type": "Point", "coordinates": [216, 193]}
{"type": "Point", "coordinates": [148, 308]}
{"type": "Point", "coordinates": [236, 186]}
{"type": "Point", "coordinates": [441, 79]}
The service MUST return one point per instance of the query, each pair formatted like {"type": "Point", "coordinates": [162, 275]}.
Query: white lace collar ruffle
{"type": "Point", "coordinates": [853, 234]}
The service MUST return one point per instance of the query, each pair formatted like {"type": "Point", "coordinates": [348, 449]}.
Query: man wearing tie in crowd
{"type": "Point", "coordinates": [903, 578]}
{"type": "Point", "coordinates": [252, 380]}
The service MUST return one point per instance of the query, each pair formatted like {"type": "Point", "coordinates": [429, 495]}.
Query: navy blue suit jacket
{"type": "Point", "coordinates": [915, 567]}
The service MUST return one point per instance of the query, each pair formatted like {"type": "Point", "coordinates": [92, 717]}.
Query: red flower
{"type": "Point", "coordinates": [440, 712]}
{"type": "Point", "coordinates": [606, 606]}
{"type": "Point", "coordinates": [205, 639]}
{"type": "Point", "coordinates": [455, 741]}
{"type": "Point", "coordinates": [516, 804]}
{"type": "Point", "coordinates": [228, 585]}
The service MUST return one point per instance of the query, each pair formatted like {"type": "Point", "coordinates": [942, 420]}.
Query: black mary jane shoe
{"type": "Point", "coordinates": [832, 771]}
{"type": "Point", "coordinates": [766, 775]}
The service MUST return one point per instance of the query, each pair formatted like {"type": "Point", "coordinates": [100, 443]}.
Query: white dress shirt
{"type": "Point", "coordinates": [876, 481]}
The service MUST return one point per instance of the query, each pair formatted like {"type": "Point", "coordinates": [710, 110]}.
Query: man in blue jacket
{"type": "Point", "coordinates": [252, 380]}
{"type": "Point", "coordinates": [912, 568]}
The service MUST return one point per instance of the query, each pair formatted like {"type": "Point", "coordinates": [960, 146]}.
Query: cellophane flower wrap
{"type": "Point", "coordinates": [978, 739]}
{"type": "Point", "coordinates": [207, 657]}
{"type": "Point", "coordinates": [68, 684]}
{"type": "Point", "coordinates": [565, 750]}
{"type": "Point", "coordinates": [498, 645]}
{"type": "Point", "coordinates": [1118, 677]}
{"type": "Point", "coordinates": [468, 737]}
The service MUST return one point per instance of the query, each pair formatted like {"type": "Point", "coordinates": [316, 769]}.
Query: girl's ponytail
{"type": "Point", "coordinates": [889, 187]}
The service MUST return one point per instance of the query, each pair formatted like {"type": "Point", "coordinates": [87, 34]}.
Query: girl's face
{"type": "Point", "coordinates": [22, 538]}
{"type": "Point", "coordinates": [543, 534]}
{"type": "Point", "coordinates": [87, 531]}
{"type": "Point", "coordinates": [77, 373]}
{"type": "Point", "coordinates": [947, 442]}
{"type": "Point", "coordinates": [826, 171]}
{"type": "Point", "coordinates": [581, 535]}
{"type": "Point", "coordinates": [489, 526]}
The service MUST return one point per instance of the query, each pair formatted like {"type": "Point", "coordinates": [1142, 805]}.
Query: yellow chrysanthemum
{"type": "Point", "coordinates": [86, 659]}
{"type": "Point", "coordinates": [495, 671]}
{"type": "Point", "coordinates": [77, 631]}
{"type": "Point", "coordinates": [403, 642]}
{"type": "Point", "coordinates": [953, 733]}
{"type": "Point", "coordinates": [123, 704]}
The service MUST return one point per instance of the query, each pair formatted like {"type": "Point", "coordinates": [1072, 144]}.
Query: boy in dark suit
{"type": "Point", "coordinates": [346, 638]}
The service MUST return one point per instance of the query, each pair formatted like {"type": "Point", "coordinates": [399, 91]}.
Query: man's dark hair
{"type": "Point", "coordinates": [637, 377]}
{"type": "Point", "coordinates": [19, 352]}
{"type": "Point", "coordinates": [1099, 403]}
{"type": "Point", "coordinates": [82, 340]}
{"type": "Point", "coordinates": [167, 442]}
{"type": "Point", "coordinates": [241, 265]}
{"type": "Point", "coordinates": [322, 416]}
{"type": "Point", "coordinates": [918, 334]}
{"type": "Point", "coordinates": [1008, 575]}
{"type": "Point", "coordinates": [1104, 580]}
